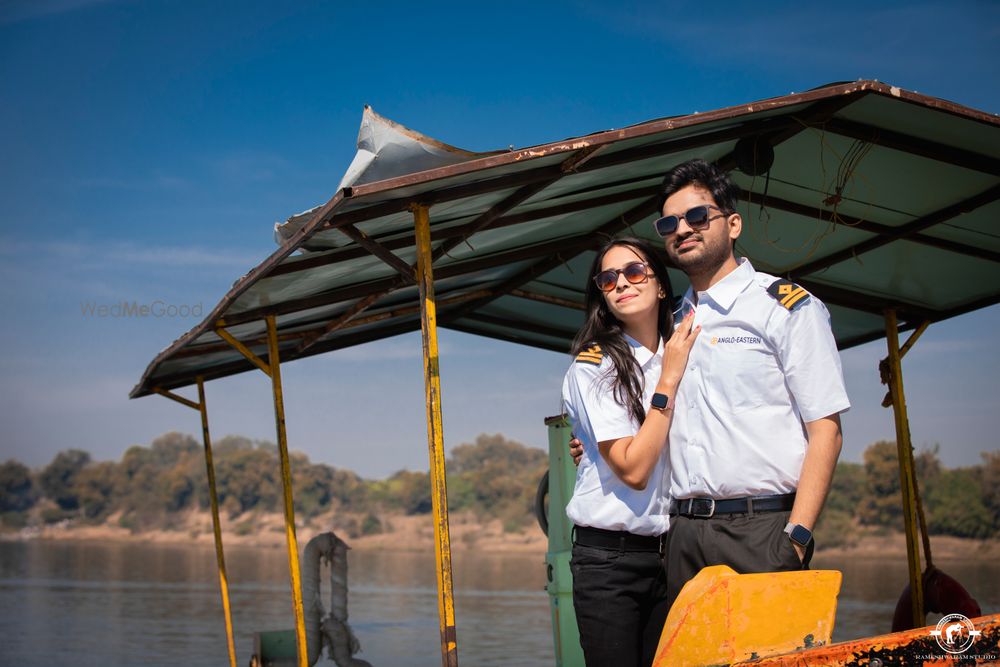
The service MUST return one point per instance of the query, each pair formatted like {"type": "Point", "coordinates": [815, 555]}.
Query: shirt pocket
{"type": "Point", "coordinates": [741, 379]}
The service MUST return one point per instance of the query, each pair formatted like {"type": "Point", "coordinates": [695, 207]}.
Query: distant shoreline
{"type": "Point", "coordinates": [415, 533]}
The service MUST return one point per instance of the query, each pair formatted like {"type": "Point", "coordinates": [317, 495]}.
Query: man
{"type": "Point", "coordinates": [756, 430]}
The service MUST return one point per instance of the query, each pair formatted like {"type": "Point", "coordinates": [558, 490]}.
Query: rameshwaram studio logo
{"type": "Point", "coordinates": [158, 308]}
{"type": "Point", "coordinates": [955, 634]}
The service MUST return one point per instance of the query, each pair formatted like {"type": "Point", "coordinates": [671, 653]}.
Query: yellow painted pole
{"type": "Point", "coordinates": [216, 525]}
{"type": "Point", "coordinates": [435, 438]}
{"type": "Point", "coordinates": [907, 474]}
{"type": "Point", "coordinates": [274, 362]}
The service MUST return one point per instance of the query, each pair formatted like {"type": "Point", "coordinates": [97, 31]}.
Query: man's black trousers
{"type": "Point", "coordinates": [745, 543]}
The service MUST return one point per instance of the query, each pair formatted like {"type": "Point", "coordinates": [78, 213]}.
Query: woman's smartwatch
{"type": "Point", "coordinates": [660, 402]}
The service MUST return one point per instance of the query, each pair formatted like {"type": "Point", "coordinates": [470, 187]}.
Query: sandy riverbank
{"type": "Point", "coordinates": [398, 533]}
{"type": "Point", "coordinates": [416, 533]}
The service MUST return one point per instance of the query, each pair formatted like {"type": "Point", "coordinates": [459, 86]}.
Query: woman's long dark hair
{"type": "Point", "coordinates": [602, 328]}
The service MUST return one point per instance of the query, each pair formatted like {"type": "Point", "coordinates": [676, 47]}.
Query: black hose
{"type": "Point", "coordinates": [540, 494]}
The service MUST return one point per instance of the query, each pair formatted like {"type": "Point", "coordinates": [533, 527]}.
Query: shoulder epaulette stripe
{"type": "Point", "coordinates": [787, 293]}
{"type": "Point", "coordinates": [592, 355]}
{"type": "Point", "coordinates": [793, 298]}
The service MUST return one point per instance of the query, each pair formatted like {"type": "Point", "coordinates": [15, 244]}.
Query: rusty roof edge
{"type": "Point", "coordinates": [670, 123]}
{"type": "Point", "coordinates": [144, 388]}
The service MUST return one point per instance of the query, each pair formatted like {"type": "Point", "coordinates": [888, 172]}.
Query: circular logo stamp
{"type": "Point", "coordinates": [955, 633]}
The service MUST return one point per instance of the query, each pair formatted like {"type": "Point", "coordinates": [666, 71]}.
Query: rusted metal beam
{"type": "Point", "coordinates": [561, 253]}
{"type": "Point", "coordinates": [341, 321]}
{"type": "Point", "coordinates": [244, 350]}
{"type": "Point", "coordinates": [906, 231]}
{"type": "Point", "coordinates": [363, 240]}
{"type": "Point", "coordinates": [177, 398]}
{"type": "Point", "coordinates": [546, 250]}
{"type": "Point", "coordinates": [879, 229]}
{"type": "Point", "coordinates": [395, 241]}
{"type": "Point", "coordinates": [402, 312]}
{"type": "Point", "coordinates": [487, 219]}
{"type": "Point", "coordinates": [209, 348]}
{"type": "Point", "coordinates": [349, 293]}
{"type": "Point", "coordinates": [509, 337]}
{"type": "Point", "coordinates": [868, 303]}
{"type": "Point", "coordinates": [545, 298]}
{"type": "Point", "coordinates": [911, 144]}
{"type": "Point", "coordinates": [535, 327]}
{"type": "Point", "coordinates": [581, 157]}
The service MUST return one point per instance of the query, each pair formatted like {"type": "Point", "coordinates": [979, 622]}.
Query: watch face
{"type": "Point", "coordinates": [800, 535]}
{"type": "Point", "coordinates": [659, 401]}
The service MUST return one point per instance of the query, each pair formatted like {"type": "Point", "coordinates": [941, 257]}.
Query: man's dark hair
{"type": "Point", "coordinates": [705, 175]}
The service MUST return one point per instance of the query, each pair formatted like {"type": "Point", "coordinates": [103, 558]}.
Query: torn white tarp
{"type": "Point", "coordinates": [385, 150]}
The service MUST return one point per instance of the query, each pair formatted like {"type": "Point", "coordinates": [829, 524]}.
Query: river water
{"type": "Point", "coordinates": [65, 603]}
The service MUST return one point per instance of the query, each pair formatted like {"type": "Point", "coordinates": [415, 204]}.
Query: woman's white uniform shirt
{"type": "Point", "coordinates": [600, 499]}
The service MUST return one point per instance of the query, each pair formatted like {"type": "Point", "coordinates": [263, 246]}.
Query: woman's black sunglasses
{"type": "Point", "coordinates": [697, 218]}
{"type": "Point", "coordinates": [634, 272]}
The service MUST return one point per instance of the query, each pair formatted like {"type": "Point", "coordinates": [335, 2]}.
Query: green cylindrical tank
{"type": "Point", "coordinates": [561, 479]}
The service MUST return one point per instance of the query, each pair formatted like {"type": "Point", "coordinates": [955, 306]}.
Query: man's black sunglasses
{"type": "Point", "coordinates": [634, 272]}
{"type": "Point", "coordinates": [697, 218]}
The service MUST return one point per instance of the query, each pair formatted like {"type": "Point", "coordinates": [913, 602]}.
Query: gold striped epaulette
{"type": "Point", "coordinates": [592, 355]}
{"type": "Point", "coordinates": [788, 294]}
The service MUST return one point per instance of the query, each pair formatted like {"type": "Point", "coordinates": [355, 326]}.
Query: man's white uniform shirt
{"type": "Point", "coordinates": [756, 373]}
{"type": "Point", "coordinates": [600, 498]}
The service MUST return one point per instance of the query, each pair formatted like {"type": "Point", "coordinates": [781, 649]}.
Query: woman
{"type": "Point", "coordinates": [629, 361]}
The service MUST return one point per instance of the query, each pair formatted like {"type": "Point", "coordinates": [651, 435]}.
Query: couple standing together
{"type": "Point", "coordinates": [723, 426]}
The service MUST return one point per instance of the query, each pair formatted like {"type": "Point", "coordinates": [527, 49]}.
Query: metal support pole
{"type": "Point", "coordinates": [907, 479]}
{"type": "Point", "coordinates": [435, 438]}
{"type": "Point", "coordinates": [216, 525]}
{"type": "Point", "coordinates": [202, 408]}
{"type": "Point", "coordinates": [274, 362]}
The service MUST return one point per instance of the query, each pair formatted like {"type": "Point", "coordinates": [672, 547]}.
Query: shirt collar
{"type": "Point", "coordinates": [726, 290]}
{"type": "Point", "coordinates": [641, 352]}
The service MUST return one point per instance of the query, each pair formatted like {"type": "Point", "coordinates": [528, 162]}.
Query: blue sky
{"type": "Point", "coordinates": [150, 146]}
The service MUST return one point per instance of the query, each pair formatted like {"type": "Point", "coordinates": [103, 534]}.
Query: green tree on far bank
{"type": "Point", "coordinates": [59, 479]}
{"type": "Point", "coordinates": [17, 492]}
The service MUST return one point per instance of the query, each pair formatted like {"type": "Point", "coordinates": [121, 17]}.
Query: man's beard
{"type": "Point", "coordinates": [702, 260]}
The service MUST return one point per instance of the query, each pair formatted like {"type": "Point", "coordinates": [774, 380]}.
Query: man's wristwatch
{"type": "Point", "coordinates": [660, 401]}
{"type": "Point", "coordinates": [801, 535]}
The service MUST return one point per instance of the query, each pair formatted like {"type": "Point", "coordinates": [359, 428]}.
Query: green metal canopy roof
{"type": "Point", "coordinates": [877, 198]}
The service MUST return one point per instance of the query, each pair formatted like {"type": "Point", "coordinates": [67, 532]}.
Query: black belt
{"type": "Point", "coordinates": [619, 540]}
{"type": "Point", "coordinates": [708, 507]}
